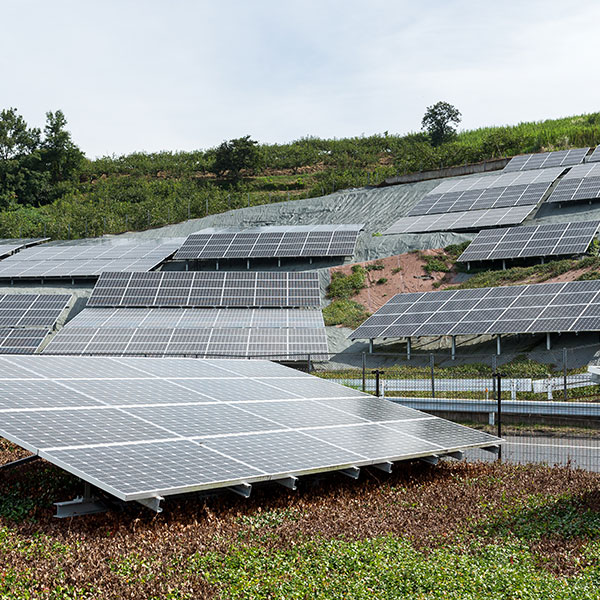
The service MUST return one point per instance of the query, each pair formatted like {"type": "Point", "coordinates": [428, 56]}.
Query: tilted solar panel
{"type": "Point", "coordinates": [595, 156]}
{"type": "Point", "coordinates": [85, 260]}
{"type": "Point", "coordinates": [553, 239]}
{"type": "Point", "coordinates": [537, 308]}
{"type": "Point", "coordinates": [580, 183]}
{"type": "Point", "coordinates": [170, 426]}
{"type": "Point", "coordinates": [271, 242]}
{"type": "Point", "coordinates": [544, 160]}
{"type": "Point", "coordinates": [193, 331]}
{"type": "Point", "coordinates": [459, 221]}
{"type": "Point", "coordinates": [187, 289]}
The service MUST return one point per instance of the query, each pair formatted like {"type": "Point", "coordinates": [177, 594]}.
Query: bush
{"type": "Point", "coordinates": [433, 264]}
{"type": "Point", "coordinates": [344, 286]}
{"type": "Point", "coordinates": [382, 280]}
{"type": "Point", "coordinates": [345, 312]}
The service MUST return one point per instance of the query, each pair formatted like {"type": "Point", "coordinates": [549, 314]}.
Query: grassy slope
{"type": "Point", "coordinates": [454, 531]}
{"type": "Point", "coordinates": [115, 194]}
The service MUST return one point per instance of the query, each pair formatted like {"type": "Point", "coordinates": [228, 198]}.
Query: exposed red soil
{"type": "Point", "coordinates": [413, 278]}
{"type": "Point", "coordinates": [410, 278]}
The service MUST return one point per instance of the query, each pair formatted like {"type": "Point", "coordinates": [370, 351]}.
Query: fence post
{"type": "Point", "coordinates": [565, 372]}
{"type": "Point", "coordinates": [148, 218]}
{"type": "Point", "coordinates": [309, 363]}
{"type": "Point", "coordinates": [498, 378]}
{"type": "Point", "coordinates": [432, 368]}
{"type": "Point", "coordinates": [189, 210]}
{"type": "Point", "coordinates": [207, 205]}
{"type": "Point", "coordinates": [364, 369]}
{"type": "Point", "coordinates": [377, 373]}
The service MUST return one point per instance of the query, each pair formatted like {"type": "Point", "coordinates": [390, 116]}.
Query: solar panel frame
{"type": "Point", "coordinates": [60, 260]}
{"type": "Point", "coordinates": [580, 183]}
{"type": "Point", "coordinates": [461, 221]}
{"type": "Point", "coordinates": [164, 447]}
{"type": "Point", "coordinates": [595, 156]}
{"type": "Point", "coordinates": [543, 160]}
{"type": "Point", "coordinates": [271, 242]}
{"type": "Point", "coordinates": [521, 312]}
{"type": "Point", "coordinates": [207, 289]}
{"type": "Point", "coordinates": [533, 241]}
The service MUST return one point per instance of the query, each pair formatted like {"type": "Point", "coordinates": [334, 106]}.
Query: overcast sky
{"type": "Point", "coordinates": [182, 75]}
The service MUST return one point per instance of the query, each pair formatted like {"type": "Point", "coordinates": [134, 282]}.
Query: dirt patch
{"type": "Point", "coordinates": [404, 274]}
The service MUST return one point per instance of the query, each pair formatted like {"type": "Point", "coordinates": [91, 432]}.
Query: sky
{"type": "Point", "coordinates": [186, 75]}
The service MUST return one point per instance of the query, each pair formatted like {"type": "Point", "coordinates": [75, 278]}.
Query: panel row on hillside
{"type": "Point", "coordinates": [580, 183]}
{"type": "Point", "coordinates": [543, 160]}
{"type": "Point", "coordinates": [85, 260]}
{"type": "Point", "coordinates": [537, 308]}
{"type": "Point", "coordinates": [457, 221]}
{"type": "Point", "coordinates": [9, 246]}
{"type": "Point", "coordinates": [193, 331]}
{"type": "Point", "coordinates": [31, 310]}
{"type": "Point", "coordinates": [553, 239]}
{"type": "Point", "coordinates": [170, 288]}
{"type": "Point", "coordinates": [271, 242]}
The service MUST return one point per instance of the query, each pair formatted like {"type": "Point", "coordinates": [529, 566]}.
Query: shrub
{"type": "Point", "coordinates": [345, 286]}
{"type": "Point", "coordinates": [345, 312]}
{"type": "Point", "coordinates": [382, 280]}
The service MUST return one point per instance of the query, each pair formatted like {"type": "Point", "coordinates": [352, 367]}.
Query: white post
{"type": "Point", "coordinates": [498, 346]}
{"type": "Point", "coordinates": [371, 346]}
{"type": "Point", "coordinates": [408, 348]}
{"type": "Point", "coordinates": [548, 341]}
{"type": "Point", "coordinates": [453, 347]}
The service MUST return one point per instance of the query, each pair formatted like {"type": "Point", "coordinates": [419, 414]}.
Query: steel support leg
{"type": "Point", "coordinates": [548, 341]}
{"type": "Point", "coordinates": [408, 348]}
{"type": "Point", "coordinates": [453, 347]}
{"type": "Point", "coordinates": [498, 345]}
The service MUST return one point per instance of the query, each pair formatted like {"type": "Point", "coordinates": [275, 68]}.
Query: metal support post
{"type": "Point", "coordinates": [498, 345]}
{"type": "Point", "coordinates": [542, 260]}
{"type": "Point", "coordinates": [548, 341]}
{"type": "Point", "coordinates": [498, 377]}
{"type": "Point", "coordinates": [468, 266]}
{"type": "Point", "coordinates": [503, 265]}
{"type": "Point", "coordinates": [564, 352]}
{"type": "Point", "coordinates": [216, 265]}
{"type": "Point", "coordinates": [371, 346]}
{"type": "Point", "coordinates": [308, 363]}
{"type": "Point", "coordinates": [453, 347]}
{"type": "Point", "coordinates": [408, 348]}
{"type": "Point", "coordinates": [248, 264]}
{"type": "Point", "coordinates": [377, 373]}
{"type": "Point", "coordinates": [364, 371]}
{"type": "Point", "coordinates": [207, 205]}
{"type": "Point", "coordinates": [432, 368]}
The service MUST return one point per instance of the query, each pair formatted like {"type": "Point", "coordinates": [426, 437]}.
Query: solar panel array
{"type": "Point", "coordinates": [271, 242]}
{"type": "Point", "coordinates": [457, 221]}
{"type": "Point", "coordinates": [282, 333]}
{"type": "Point", "coordinates": [31, 310]}
{"type": "Point", "coordinates": [85, 260]}
{"type": "Point", "coordinates": [595, 156]}
{"type": "Point", "coordinates": [10, 245]}
{"type": "Point", "coordinates": [479, 193]}
{"type": "Point", "coordinates": [170, 426]}
{"type": "Point", "coordinates": [169, 288]}
{"type": "Point", "coordinates": [21, 341]}
{"type": "Point", "coordinates": [543, 160]}
{"type": "Point", "coordinates": [580, 183]}
{"type": "Point", "coordinates": [554, 239]}
{"type": "Point", "coordinates": [536, 308]}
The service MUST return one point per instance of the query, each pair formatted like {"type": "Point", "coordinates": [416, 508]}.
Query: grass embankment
{"type": "Point", "coordinates": [139, 191]}
{"type": "Point", "coordinates": [453, 531]}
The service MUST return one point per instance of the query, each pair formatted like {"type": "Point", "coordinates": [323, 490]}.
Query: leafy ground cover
{"type": "Point", "coordinates": [454, 531]}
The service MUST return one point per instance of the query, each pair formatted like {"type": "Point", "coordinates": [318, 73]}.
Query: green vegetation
{"type": "Point", "coordinates": [343, 287]}
{"type": "Point", "coordinates": [345, 312]}
{"type": "Point", "coordinates": [390, 567]}
{"type": "Point", "coordinates": [532, 274]}
{"type": "Point", "coordinates": [47, 187]}
{"type": "Point", "coordinates": [435, 264]}
{"type": "Point", "coordinates": [381, 280]}
{"type": "Point", "coordinates": [439, 121]}
{"type": "Point", "coordinates": [396, 270]}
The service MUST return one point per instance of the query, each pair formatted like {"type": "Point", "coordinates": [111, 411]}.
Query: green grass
{"type": "Point", "coordinates": [343, 287]}
{"type": "Point", "coordinates": [390, 567]}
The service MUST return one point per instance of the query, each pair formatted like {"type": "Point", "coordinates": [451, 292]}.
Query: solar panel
{"type": "Point", "coordinates": [271, 242]}
{"type": "Point", "coordinates": [595, 156]}
{"type": "Point", "coordinates": [21, 341]}
{"type": "Point", "coordinates": [31, 310]}
{"type": "Point", "coordinates": [9, 246]}
{"type": "Point", "coordinates": [580, 183]}
{"type": "Point", "coordinates": [85, 259]}
{"type": "Point", "coordinates": [536, 308]}
{"type": "Point", "coordinates": [218, 424]}
{"type": "Point", "coordinates": [282, 333]}
{"type": "Point", "coordinates": [544, 160]}
{"type": "Point", "coordinates": [187, 289]}
{"type": "Point", "coordinates": [459, 221]}
{"type": "Point", "coordinates": [553, 239]}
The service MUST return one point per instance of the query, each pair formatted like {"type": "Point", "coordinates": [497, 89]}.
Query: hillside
{"type": "Point", "coordinates": [142, 191]}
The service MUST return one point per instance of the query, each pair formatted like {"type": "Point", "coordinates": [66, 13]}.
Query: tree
{"type": "Point", "coordinates": [61, 156]}
{"type": "Point", "coordinates": [438, 120]}
{"type": "Point", "coordinates": [233, 156]}
{"type": "Point", "coordinates": [16, 139]}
